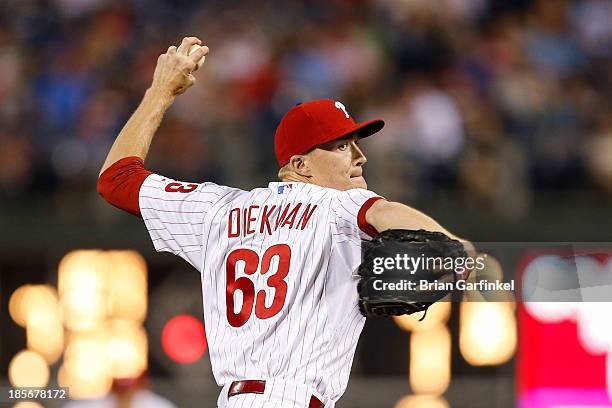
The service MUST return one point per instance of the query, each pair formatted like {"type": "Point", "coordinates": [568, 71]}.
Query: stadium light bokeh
{"type": "Point", "coordinates": [27, 404]}
{"type": "Point", "coordinates": [16, 305]}
{"type": "Point", "coordinates": [46, 337]}
{"type": "Point", "coordinates": [127, 285]}
{"type": "Point", "coordinates": [487, 332]}
{"type": "Point", "coordinates": [82, 289]}
{"type": "Point", "coordinates": [430, 360]}
{"type": "Point", "coordinates": [422, 401]}
{"type": "Point", "coordinates": [94, 318]}
{"type": "Point", "coordinates": [36, 308]}
{"type": "Point", "coordinates": [28, 369]}
{"type": "Point", "coordinates": [184, 339]}
{"type": "Point", "coordinates": [86, 369]}
{"type": "Point", "coordinates": [126, 348]}
{"type": "Point", "coordinates": [437, 314]}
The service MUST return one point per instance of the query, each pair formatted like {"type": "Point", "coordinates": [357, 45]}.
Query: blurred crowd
{"type": "Point", "coordinates": [492, 101]}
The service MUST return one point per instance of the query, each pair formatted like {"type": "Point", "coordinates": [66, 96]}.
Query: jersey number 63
{"type": "Point", "coordinates": [247, 287]}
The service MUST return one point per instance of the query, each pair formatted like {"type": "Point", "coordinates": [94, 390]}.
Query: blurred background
{"type": "Point", "coordinates": [498, 125]}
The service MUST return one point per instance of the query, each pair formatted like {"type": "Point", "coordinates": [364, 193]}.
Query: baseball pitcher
{"type": "Point", "coordinates": [277, 263]}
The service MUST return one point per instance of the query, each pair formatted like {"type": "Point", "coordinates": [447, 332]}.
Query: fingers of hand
{"type": "Point", "coordinates": [198, 53]}
{"type": "Point", "coordinates": [190, 80]}
{"type": "Point", "coordinates": [175, 66]}
{"type": "Point", "coordinates": [187, 43]}
{"type": "Point", "coordinates": [187, 66]}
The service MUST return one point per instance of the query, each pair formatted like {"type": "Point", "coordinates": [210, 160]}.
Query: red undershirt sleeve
{"type": "Point", "coordinates": [120, 183]}
{"type": "Point", "coordinates": [350, 208]}
{"type": "Point", "coordinates": [361, 217]}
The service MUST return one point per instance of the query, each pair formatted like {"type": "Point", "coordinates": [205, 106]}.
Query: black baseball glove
{"type": "Point", "coordinates": [397, 266]}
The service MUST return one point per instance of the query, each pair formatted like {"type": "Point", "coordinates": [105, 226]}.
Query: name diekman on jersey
{"type": "Point", "coordinates": [254, 218]}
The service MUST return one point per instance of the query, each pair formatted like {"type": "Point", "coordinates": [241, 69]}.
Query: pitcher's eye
{"type": "Point", "coordinates": [343, 146]}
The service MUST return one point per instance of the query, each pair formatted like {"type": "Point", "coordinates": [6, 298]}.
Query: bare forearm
{"type": "Point", "coordinates": [173, 75]}
{"type": "Point", "coordinates": [384, 215]}
{"type": "Point", "coordinates": [137, 134]}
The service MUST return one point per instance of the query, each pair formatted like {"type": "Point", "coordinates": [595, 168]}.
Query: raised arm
{"type": "Point", "coordinates": [173, 76]}
{"type": "Point", "coordinates": [123, 172]}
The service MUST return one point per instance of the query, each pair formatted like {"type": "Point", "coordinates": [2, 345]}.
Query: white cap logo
{"type": "Point", "coordinates": [339, 105]}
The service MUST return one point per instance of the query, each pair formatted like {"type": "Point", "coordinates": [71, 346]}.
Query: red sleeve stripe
{"type": "Point", "coordinates": [361, 217]}
{"type": "Point", "coordinates": [120, 183]}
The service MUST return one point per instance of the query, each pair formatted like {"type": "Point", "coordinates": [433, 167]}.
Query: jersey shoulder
{"type": "Point", "coordinates": [319, 192]}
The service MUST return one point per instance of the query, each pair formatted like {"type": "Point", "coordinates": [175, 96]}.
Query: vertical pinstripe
{"type": "Point", "coordinates": [312, 339]}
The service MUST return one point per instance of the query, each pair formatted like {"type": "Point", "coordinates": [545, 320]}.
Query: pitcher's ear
{"type": "Point", "coordinates": [300, 164]}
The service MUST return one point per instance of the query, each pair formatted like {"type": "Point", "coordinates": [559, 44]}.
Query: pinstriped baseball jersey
{"type": "Point", "coordinates": [277, 265]}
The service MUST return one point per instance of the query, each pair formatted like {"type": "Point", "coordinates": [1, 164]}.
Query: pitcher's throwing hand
{"type": "Point", "coordinates": [174, 71]}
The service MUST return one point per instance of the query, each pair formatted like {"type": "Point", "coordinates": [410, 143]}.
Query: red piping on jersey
{"type": "Point", "coordinates": [120, 183]}
{"type": "Point", "coordinates": [361, 217]}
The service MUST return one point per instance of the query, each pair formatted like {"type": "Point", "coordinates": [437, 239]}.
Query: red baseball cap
{"type": "Point", "coordinates": [314, 123]}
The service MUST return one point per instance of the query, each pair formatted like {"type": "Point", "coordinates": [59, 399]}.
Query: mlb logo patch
{"type": "Point", "coordinates": [285, 187]}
